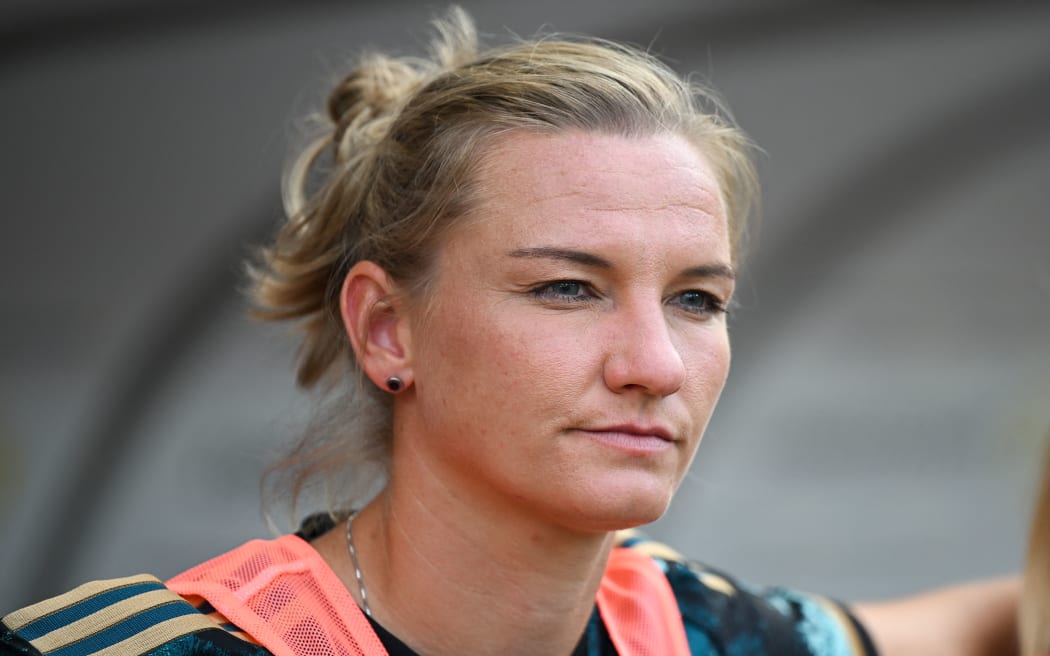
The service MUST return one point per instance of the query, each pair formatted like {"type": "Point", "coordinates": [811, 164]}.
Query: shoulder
{"type": "Point", "coordinates": [723, 615]}
{"type": "Point", "coordinates": [137, 615]}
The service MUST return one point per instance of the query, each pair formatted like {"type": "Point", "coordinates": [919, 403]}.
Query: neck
{"type": "Point", "coordinates": [448, 574]}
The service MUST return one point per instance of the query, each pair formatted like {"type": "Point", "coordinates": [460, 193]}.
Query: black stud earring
{"type": "Point", "coordinates": [394, 384]}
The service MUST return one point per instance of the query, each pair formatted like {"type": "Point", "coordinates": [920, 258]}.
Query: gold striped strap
{"type": "Point", "coordinates": [131, 615]}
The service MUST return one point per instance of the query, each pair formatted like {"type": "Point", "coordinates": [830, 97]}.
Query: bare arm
{"type": "Point", "coordinates": [972, 619]}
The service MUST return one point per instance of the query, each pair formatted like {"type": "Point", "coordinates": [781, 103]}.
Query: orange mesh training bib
{"type": "Point", "coordinates": [639, 608]}
{"type": "Point", "coordinates": [283, 594]}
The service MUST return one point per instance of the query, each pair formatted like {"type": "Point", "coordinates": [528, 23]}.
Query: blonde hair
{"type": "Point", "coordinates": [1034, 614]}
{"type": "Point", "coordinates": [396, 169]}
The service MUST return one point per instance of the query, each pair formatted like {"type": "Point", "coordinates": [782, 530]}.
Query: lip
{"type": "Point", "coordinates": [636, 430]}
{"type": "Point", "coordinates": [631, 437]}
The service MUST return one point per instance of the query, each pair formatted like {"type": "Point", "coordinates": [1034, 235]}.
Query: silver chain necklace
{"type": "Point", "coordinates": [357, 568]}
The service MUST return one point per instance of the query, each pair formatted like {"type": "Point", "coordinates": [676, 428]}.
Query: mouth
{"type": "Point", "coordinates": [631, 437]}
{"type": "Point", "coordinates": [638, 431]}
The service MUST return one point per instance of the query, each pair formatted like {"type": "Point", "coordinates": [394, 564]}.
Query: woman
{"type": "Point", "coordinates": [523, 259]}
{"type": "Point", "coordinates": [1035, 597]}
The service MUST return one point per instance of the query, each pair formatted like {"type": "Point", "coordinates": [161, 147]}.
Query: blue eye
{"type": "Point", "coordinates": [698, 302]}
{"type": "Point", "coordinates": [564, 290]}
{"type": "Point", "coordinates": [567, 288]}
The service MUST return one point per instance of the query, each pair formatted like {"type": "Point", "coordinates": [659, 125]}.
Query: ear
{"type": "Point", "coordinates": [376, 324]}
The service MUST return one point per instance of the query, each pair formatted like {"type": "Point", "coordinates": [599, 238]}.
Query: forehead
{"type": "Point", "coordinates": [535, 167]}
{"type": "Point", "coordinates": [529, 181]}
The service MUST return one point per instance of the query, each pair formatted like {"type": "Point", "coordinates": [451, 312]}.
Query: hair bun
{"type": "Point", "coordinates": [362, 105]}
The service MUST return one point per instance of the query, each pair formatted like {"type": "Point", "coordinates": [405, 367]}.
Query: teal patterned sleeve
{"type": "Point", "coordinates": [724, 617]}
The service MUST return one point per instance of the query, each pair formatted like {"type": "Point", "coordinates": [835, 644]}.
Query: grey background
{"type": "Point", "coordinates": [884, 424]}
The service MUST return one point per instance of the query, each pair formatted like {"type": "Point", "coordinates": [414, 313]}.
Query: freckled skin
{"type": "Point", "coordinates": [507, 382]}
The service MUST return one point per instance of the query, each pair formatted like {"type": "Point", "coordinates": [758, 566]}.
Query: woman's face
{"type": "Point", "coordinates": [575, 344]}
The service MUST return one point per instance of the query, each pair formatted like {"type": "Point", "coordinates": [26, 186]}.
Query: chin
{"type": "Point", "coordinates": [619, 509]}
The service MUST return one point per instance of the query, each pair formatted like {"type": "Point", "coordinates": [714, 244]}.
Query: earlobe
{"type": "Point", "coordinates": [375, 324]}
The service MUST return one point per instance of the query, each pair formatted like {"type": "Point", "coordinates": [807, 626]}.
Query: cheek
{"type": "Point", "coordinates": [532, 363]}
{"type": "Point", "coordinates": [708, 367]}
{"type": "Point", "coordinates": [489, 359]}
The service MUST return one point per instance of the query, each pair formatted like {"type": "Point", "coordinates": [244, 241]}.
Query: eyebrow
{"type": "Point", "coordinates": [711, 271]}
{"type": "Point", "coordinates": [579, 257]}
{"type": "Point", "coordinates": [587, 259]}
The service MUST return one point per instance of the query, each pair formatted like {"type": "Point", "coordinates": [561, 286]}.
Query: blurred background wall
{"type": "Point", "coordinates": [883, 425]}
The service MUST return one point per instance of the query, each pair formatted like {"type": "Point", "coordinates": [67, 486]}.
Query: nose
{"type": "Point", "coordinates": [642, 353]}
